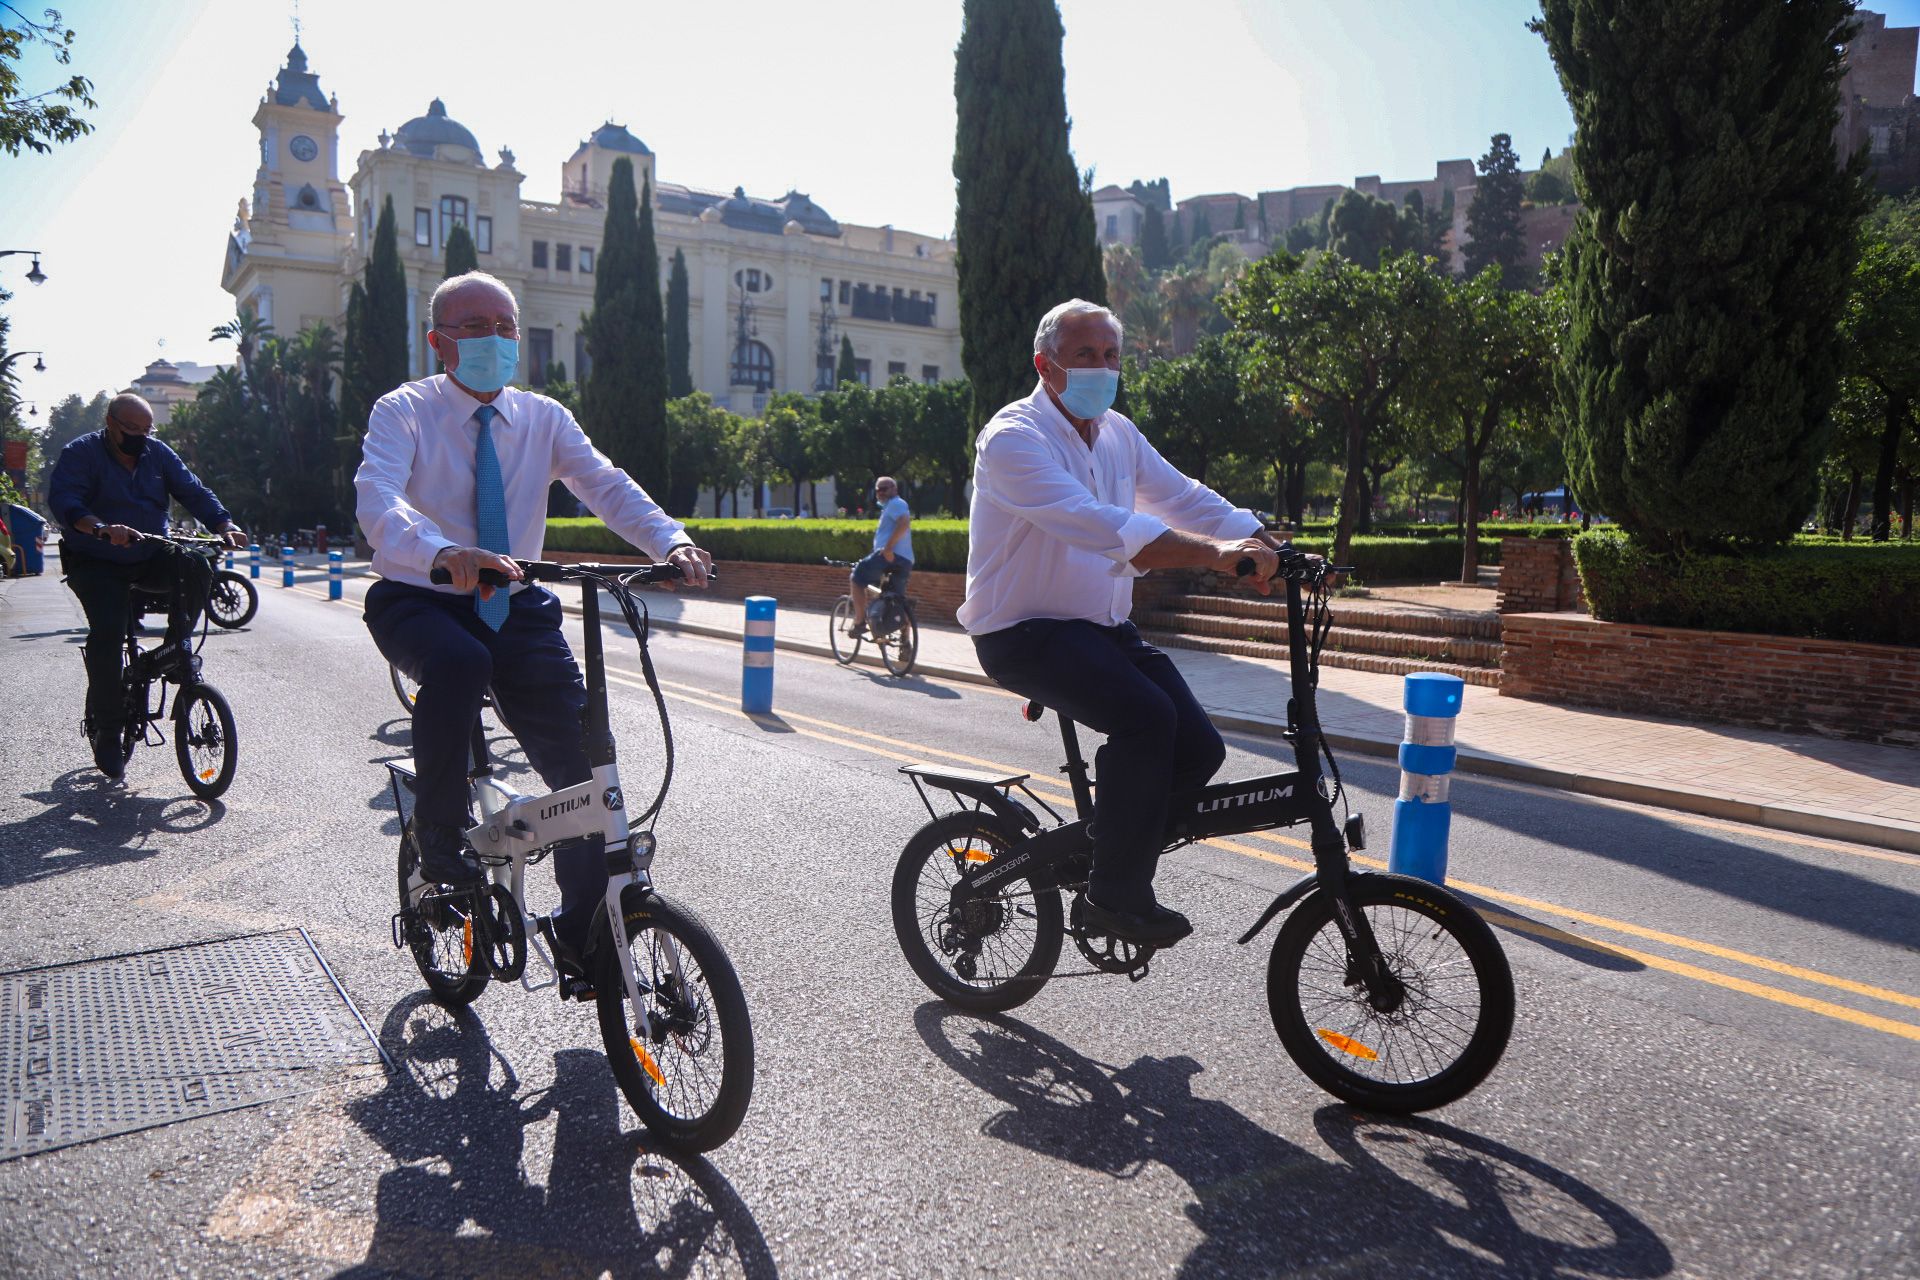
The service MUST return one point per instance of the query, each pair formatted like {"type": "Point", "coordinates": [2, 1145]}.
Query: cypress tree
{"type": "Point", "coordinates": [1154, 253]}
{"type": "Point", "coordinates": [461, 257]}
{"type": "Point", "coordinates": [625, 403]}
{"type": "Point", "coordinates": [1024, 220]}
{"type": "Point", "coordinates": [1493, 219]}
{"type": "Point", "coordinates": [384, 334]}
{"type": "Point", "coordinates": [1705, 283]}
{"type": "Point", "coordinates": [847, 371]}
{"type": "Point", "coordinates": [679, 331]}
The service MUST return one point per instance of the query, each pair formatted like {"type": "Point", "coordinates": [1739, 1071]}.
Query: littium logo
{"type": "Point", "coordinates": [1244, 798]}
{"type": "Point", "coordinates": [565, 806]}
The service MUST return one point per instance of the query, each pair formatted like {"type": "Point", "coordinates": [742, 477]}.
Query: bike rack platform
{"type": "Point", "coordinates": [105, 1047]}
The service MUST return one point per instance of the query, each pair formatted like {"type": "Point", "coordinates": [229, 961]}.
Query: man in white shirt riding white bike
{"type": "Point", "coordinates": [455, 473]}
{"type": "Point", "coordinates": [1070, 505]}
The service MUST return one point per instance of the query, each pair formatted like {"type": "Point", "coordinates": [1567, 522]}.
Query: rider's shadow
{"type": "Point", "coordinates": [456, 1119]}
{"type": "Point", "coordinates": [1412, 1196]}
{"type": "Point", "coordinates": [91, 822]}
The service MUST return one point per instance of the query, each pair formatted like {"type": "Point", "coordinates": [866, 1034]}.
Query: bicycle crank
{"type": "Point", "coordinates": [1106, 953]}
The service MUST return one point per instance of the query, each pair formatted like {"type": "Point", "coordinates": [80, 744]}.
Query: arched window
{"type": "Point", "coordinates": [753, 366]}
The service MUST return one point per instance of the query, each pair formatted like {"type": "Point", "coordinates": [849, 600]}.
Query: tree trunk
{"type": "Point", "coordinates": [1353, 492]}
{"type": "Point", "coordinates": [1906, 506]}
{"type": "Point", "coordinates": [1297, 491]}
{"type": "Point", "coordinates": [1470, 507]}
{"type": "Point", "coordinates": [1851, 511]}
{"type": "Point", "coordinates": [1881, 525]}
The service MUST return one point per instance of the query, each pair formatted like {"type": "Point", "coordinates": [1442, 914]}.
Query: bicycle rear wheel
{"type": "Point", "coordinates": [845, 647]}
{"type": "Point", "coordinates": [441, 930]}
{"type": "Point", "coordinates": [205, 740]}
{"type": "Point", "coordinates": [405, 687]}
{"type": "Point", "coordinates": [691, 1078]}
{"type": "Point", "coordinates": [1448, 1029]}
{"type": "Point", "coordinates": [899, 647]}
{"type": "Point", "coordinates": [233, 600]}
{"type": "Point", "coordinates": [999, 951]}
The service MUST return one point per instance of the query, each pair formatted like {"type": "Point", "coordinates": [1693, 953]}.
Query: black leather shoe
{"type": "Point", "coordinates": [1160, 927]}
{"type": "Point", "coordinates": [109, 755]}
{"type": "Point", "coordinates": [443, 855]}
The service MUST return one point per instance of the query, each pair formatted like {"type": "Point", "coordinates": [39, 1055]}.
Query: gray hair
{"type": "Point", "coordinates": [453, 284]}
{"type": "Point", "coordinates": [1046, 339]}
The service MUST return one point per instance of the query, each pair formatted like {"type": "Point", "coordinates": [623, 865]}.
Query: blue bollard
{"type": "Point", "coordinates": [253, 560]}
{"type": "Point", "coordinates": [1423, 813]}
{"type": "Point", "coordinates": [286, 566]}
{"type": "Point", "coordinates": [336, 574]}
{"type": "Point", "coordinates": [756, 660]}
{"type": "Point", "coordinates": [229, 559]}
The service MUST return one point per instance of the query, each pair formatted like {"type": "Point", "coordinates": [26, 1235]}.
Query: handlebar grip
{"type": "Point", "coordinates": [488, 578]}
{"type": "Point", "coordinates": [1244, 566]}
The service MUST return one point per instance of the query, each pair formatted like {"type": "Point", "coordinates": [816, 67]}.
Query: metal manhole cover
{"type": "Point", "coordinates": [111, 1046]}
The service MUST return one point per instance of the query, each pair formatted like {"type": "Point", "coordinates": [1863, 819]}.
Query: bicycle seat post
{"type": "Point", "coordinates": [1075, 768]}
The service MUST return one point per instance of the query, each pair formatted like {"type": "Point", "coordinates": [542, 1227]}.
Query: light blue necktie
{"type": "Point", "coordinates": [490, 512]}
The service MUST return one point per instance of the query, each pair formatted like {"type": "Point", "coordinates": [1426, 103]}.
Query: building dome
{"type": "Point", "coordinates": [614, 137]}
{"type": "Point", "coordinates": [434, 136]}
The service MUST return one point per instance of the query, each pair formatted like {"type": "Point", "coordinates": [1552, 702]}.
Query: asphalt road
{"type": "Point", "coordinates": [1715, 1069]}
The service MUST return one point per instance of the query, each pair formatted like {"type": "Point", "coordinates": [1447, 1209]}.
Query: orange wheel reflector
{"type": "Point", "coordinates": [466, 944]}
{"type": "Point", "coordinates": [1346, 1044]}
{"type": "Point", "coordinates": [207, 775]}
{"type": "Point", "coordinates": [646, 1060]}
{"type": "Point", "coordinates": [974, 855]}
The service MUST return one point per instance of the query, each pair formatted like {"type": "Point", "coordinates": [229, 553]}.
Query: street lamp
{"type": "Point", "coordinates": [39, 366]}
{"type": "Point", "coordinates": [34, 274]}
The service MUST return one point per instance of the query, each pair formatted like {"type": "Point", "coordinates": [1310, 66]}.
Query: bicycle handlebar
{"type": "Point", "coordinates": [547, 571]}
{"type": "Point", "coordinates": [1297, 565]}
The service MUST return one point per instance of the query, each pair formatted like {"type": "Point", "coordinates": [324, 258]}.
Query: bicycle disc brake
{"type": "Point", "coordinates": [1105, 952]}
{"type": "Point", "coordinates": [506, 935]}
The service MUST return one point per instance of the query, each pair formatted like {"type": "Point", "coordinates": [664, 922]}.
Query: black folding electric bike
{"type": "Point", "coordinates": [1387, 991]}
{"type": "Point", "coordinates": [673, 1017]}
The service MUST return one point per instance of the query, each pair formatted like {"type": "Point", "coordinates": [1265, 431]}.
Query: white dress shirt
{"type": "Point", "coordinates": [415, 482]}
{"type": "Point", "coordinates": [1054, 523]}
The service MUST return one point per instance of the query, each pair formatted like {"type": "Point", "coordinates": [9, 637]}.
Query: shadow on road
{"type": "Point", "coordinates": [1404, 1196]}
{"type": "Point", "coordinates": [455, 1119]}
{"type": "Point", "coordinates": [90, 822]}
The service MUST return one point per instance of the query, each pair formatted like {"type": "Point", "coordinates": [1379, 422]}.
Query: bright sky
{"type": "Point", "coordinates": [850, 101]}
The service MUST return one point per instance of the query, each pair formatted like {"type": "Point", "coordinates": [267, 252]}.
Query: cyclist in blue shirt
{"type": "Point", "coordinates": [892, 555]}
{"type": "Point", "coordinates": [107, 488]}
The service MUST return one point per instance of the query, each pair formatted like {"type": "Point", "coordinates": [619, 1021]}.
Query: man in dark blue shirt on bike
{"type": "Point", "coordinates": [107, 489]}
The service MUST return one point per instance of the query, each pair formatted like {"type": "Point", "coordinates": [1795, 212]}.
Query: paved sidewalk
{"type": "Point", "coordinates": [1807, 784]}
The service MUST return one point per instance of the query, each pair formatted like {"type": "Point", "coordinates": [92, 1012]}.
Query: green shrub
{"type": "Point", "coordinates": [939, 545]}
{"type": "Point", "coordinates": [1377, 560]}
{"type": "Point", "coordinates": [1835, 591]}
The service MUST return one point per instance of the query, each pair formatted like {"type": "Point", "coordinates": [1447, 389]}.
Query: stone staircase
{"type": "Point", "coordinates": [1366, 635]}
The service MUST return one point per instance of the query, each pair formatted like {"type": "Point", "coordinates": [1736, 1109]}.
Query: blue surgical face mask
{"type": "Point", "coordinates": [1090, 392]}
{"type": "Point", "coordinates": [487, 364]}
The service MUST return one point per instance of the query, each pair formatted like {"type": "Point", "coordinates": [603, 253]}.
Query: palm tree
{"type": "Point", "coordinates": [1186, 293]}
{"type": "Point", "coordinates": [1145, 319]}
{"type": "Point", "coordinates": [1126, 277]}
{"type": "Point", "coordinates": [246, 331]}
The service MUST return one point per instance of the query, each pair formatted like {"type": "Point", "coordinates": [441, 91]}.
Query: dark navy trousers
{"type": "Point", "coordinates": [439, 640]}
{"type": "Point", "coordinates": [1159, 739]}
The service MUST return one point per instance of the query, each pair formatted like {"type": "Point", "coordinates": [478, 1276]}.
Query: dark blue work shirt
{"type": "Point", "coordinates": [89, 480]}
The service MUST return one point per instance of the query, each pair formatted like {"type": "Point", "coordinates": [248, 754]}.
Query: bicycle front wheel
{"type": "Point", "coordinates": [1450, 1023]}
{"type": "Point", "coordinates": [899, 648]}
{"type": "Point", "coordinates": [689, 1077]}
{"type": "Point", "coordinates": [405, 687]}
{"type": "Point", "coordinates": [233, 600]}
{"type": "Point", "coordinates": [846, 647]}
{"type": "Point", "coordinates": [205, 740]}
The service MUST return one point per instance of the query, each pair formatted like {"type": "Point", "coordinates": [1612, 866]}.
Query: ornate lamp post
{"type": "Point", "coordinates": [34, 274]}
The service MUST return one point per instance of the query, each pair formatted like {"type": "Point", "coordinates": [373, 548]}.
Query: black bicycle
{"type": "Point", "coordinates": [205, 740]}
{"type": "Point", "coordinates": [1387, 991]}
{"type": "Point", "coordinates": [233, 600]}
{"type": "Point", "coordinates": [888, 621]}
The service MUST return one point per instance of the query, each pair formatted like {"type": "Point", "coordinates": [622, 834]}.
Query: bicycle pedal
{"type": "Point", "coordinates": [1135, 975]}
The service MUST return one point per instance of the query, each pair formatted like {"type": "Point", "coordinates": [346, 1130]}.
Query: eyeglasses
{"type": "Point", "coordinates": [481, 328]}
{"type": "Point", "coordinates": [128, 427]}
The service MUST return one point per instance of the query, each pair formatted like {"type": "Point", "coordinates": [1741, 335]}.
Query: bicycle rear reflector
{"type": "Point", "coordinates": [1346, 1044]}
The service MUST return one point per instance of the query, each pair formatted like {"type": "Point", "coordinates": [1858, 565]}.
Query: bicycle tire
{"type": "Point", "coordinates": [455, 982]}
{"type": "Point", "coordinates": [845, 647]}
{"type": "Point", "coordinates": [233, 600]}
{"type": "Point", "coordinates": [1325, 1024]}
{"type": "Point", "coordinates": [404, 687]}
{"type": "Point", "coordinates": [685, 1013]}
{"type": "Point", "coordinates": [206, 741]}
{"type": "Point", "coordinates": [939, 950]}
{"type": "Point", "coordinates": [901, 646]}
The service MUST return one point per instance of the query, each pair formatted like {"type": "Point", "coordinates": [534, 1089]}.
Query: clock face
{"type": "Point", "coordinates": [303, 147]}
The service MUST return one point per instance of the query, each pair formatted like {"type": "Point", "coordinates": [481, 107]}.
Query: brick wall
{"type": "Point", "coordinates": [1870, 692]}
{"type": "Point", "coordinates": [935, 596]}
{"type": "Point", "coordinates": [1537, 575]}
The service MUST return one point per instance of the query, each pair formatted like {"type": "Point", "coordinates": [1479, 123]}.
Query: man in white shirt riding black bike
{"type": "Point", "coordinates": [455, 473]}
{"type": "Point", "coordinates": [1070, 505]}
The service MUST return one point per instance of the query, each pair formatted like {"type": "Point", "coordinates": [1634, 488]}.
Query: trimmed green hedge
{"type": "Point", "coordinates": [1861, 591]}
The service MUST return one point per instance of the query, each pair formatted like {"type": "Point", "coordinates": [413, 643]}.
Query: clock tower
{"type": "Point", "coordinates": [284, 254]}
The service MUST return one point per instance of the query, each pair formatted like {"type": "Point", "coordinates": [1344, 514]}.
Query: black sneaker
{"type": "Point", "coordinates": [109, 749]}
{"type": "Point", "coordinates": [443, 855]}
{"type": "Point", "coordinates": [1160, 927]}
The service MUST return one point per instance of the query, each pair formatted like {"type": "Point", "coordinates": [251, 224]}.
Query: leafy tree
{"type": "Point", "coordinates": [699, 431]}
{"type": "Point", "coordinates": [1493, 219]}
{"type": "Point", "coordinates": [461, 255]}
{"type": "Point", "coordinates": [1423, 230]}
{"type": "Point", "coordinates": [1311, 233]}
{"type": "Point", "coordinates": [847, 370]}
{"type": "Point", "coordinates": [1187, 294]}
{"type": "Point", "coordinates": [1155, 253]}
{"type": "Point", "coordinates": [1024, 221]}
{"type": "Point", "coordinates": [1344, 340]}
{"type": "Point", "coordinates": [1881, 331]}
{"type": "Point", "coordinates": [1126, 275]}
{"type": "Point", "coordinates": [356, 399]}
{"type": "Point", "coordinates": [246, 331]}
{"type": "Point", "coordinates": [1149, 330]}
{"type": "Point", "coordinates": [625, 405]}
{"type": "Point", "coordinates": [38, 121]}
{"type": "Point", "coordinates": [862, 437]}
{"type": "Point", "coordinates": [1705, 283]}
{"type": "Point", "coordinates": [679, 331]}
{"type": "Point", "coordinates": [1363, 227]}
{"type": "Point", "coordinates": [1200, 227]}
{"type": "Point", "coordinates": [67, 421]}
{"type": "Point", "coordinates": [1547, 187]}
{"type": "Point", "coordinates": [939, 439]}
{"type": "Point", "coordinates": [1190, 407]}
